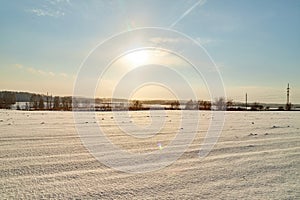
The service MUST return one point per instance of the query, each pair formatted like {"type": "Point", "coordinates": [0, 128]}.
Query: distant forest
{"type": "Point", "coordinates": [33, 101]}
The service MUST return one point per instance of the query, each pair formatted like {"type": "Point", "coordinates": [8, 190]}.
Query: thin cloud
{"type": "Point", "coordinates": [160, 40]}
{"type": "Point", "coordinates": [51, 8]}
{"type": "Point", "coordinates": [44, 12]}
{"type": "Point", "coordinates": [19, 66]}
{"type": "Point", "coordinates": [41, 72]}
{"type": "Point", "coordinates": [63, 75]}
{"type": "Point", "coordinates": [55, 2]}
{"type": "Point", "coordinates": [31, 70]}
{"type": "Point", "coordinates": [36, 71]}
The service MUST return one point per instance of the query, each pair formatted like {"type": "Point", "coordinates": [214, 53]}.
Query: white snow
{"type": "Point", "coordinates": [257, 157]}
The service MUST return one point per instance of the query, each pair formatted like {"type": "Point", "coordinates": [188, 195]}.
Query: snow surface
{"type": "Point", "coordinates": [256, 157]}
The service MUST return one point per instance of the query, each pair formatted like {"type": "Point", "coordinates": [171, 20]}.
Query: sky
{"type": "Point", "coordinates": [250, 46]}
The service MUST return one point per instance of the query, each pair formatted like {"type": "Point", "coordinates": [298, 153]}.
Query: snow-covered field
{"type": "Point", "coordinates": [257, 157]}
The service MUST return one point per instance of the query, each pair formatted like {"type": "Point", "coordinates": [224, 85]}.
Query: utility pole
{"type": "Point", "coordinates": [288, 104]}
{"type": "Point", "coordinates": [50, 102]}
{"type": "Point", "coordinates": [288, 94]}
{"type": "Point", "coordinates": [246, 101]}
{"type": "Point", "coordinates": [47, 101]}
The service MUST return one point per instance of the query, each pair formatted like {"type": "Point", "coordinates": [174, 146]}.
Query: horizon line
{"type": "Point", "coordinates": [144, 99]}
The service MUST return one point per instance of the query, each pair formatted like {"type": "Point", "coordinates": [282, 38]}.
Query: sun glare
{"type": "Point", "coordinates": [137, 58]}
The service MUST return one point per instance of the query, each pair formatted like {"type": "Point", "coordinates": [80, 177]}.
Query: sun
{"type": "Point", "coordinates": [137, 58]}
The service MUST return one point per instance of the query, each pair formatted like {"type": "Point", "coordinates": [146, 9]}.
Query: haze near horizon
{"type": "Point", "coordinates": [254, 45]}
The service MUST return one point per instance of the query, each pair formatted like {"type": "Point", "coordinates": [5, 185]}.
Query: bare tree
{"type": "Point", "coordinates": [7, 99]}
{"type": "Point", "coordinates": [136, 105]}
{"type": "Point", "coordinates": [34, 101]}
{"type": "Point", "coordinates": [56, 103]}
{"type": "Point", "coordinates": [190, 105]}
{"type": "Point", "coordinates": [229, 104]}
{"type": "Point", "coordinates": [204, 105]}
{"type": "Point", "coordinates": [220, 103]}
{"type": "Point", "coordinates": [66, 103]}
{"type": "Point", "coordinates": [175, 105]}
{"type": "Point", "coordinates": [41, 103]}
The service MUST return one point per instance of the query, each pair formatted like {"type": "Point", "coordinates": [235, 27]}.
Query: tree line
{"type": "Point", "coordinates": [220, 104]}
{"type": "Point", "coordinates": [35, 102]}
{"type": "Point", "coordinates": [7, 99]}
{"type": "Point", "coordinates": [41, 102]}
{"type": "Point", "coordinates": [45, 102]}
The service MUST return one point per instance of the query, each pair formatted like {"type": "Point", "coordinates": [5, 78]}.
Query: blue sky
{"type": "Point", "coordinates": [255, 44]}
